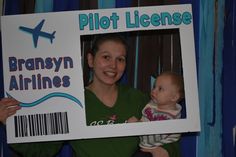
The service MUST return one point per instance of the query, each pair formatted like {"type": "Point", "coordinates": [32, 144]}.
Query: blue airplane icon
{"type": "Point", "coordinates": [36, 32]}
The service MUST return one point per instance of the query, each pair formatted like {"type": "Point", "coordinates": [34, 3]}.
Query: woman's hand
{"type": "Point", "coordinates": [8, 107]}
{"type": "Point", "coordinates": [157, 152]}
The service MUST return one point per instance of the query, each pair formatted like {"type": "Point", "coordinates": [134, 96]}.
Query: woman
{"type": "Point", "coordinates": [107, 102]}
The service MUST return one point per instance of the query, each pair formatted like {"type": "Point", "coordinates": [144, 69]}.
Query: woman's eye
{"type": "Point", "coordinates": [121, 60]}
{"type": "Point", "coordinates": [106, 57]}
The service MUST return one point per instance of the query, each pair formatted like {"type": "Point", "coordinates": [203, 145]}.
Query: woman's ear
{"type": "Point", "coordinates": [90, 59]}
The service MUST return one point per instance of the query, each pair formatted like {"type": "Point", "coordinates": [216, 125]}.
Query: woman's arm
{"type": "Point", "coordinates": [166, 150]}
{"type": "Point", "coordinates": [157, 152]}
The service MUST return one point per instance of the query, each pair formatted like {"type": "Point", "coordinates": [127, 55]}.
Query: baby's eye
{"type": "Point", "coordinates": [160, 89]}
{"type": "Point", "coordinates": [154, 86]}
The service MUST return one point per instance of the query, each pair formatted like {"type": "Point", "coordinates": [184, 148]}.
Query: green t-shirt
{"type": "Point", "coordinates": [129, 103]}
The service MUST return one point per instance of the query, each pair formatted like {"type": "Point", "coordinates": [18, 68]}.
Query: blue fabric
{"type": "Point", "coordinates": [218, 68]}
{"type": "Point", "coordinates": [43, 6]}
{"type": "Point", "coordinates": [102, 4]}
{"type": "Point", "coordinates": [205, 74]}
{"type": "Point", "coordinates": [124, 78]}
{"type": "Point", "coordinates": [209, 70]}
{"type": "Point", "coordinates": [65, 5]}
{"type": "Point", "coordinates": [66, 151]}
{"type": "Point", "coordinates": [229, 79]}
{"type": "Point", "coordinates": [2, 127]}
{"type": "Point", "coordinates": [12, 7]}
{"type": "Point", "coordinates": [1, 70]}
{"type": "Point", "coordinates": [6, 150]}
{"type": "Point", "coordinates": [123, 3]}
{"type": "Point", "coordinates": [188, 145]}
{"type": "Point", "coordinates": [1, 140]}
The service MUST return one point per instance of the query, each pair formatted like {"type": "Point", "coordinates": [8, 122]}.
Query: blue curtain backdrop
{"type": "Point", "coordinates": [211, 25]}
{"type": "Point", "coordinates": [229, 80]}
{"type": "Point", "coordinates": [43, 6]}
{"type": "Point", "coordinates": [208, 45]}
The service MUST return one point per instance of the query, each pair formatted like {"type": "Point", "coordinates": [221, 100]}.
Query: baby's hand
{"type": "Point", "coordinates": [132, 120]}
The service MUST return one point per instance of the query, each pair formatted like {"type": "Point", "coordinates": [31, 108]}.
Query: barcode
{"type": "Point", "coordinates": [41, 124]}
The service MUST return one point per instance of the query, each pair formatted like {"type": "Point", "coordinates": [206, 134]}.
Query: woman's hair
{"type": "Point", "coordinates": [101, 38]}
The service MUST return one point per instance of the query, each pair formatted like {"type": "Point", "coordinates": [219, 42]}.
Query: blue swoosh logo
{"type": "Point", "coordinates": [55, 94]}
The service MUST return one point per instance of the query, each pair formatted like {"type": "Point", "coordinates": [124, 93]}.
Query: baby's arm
{"type": "Point", "coordinates": [169, 138]}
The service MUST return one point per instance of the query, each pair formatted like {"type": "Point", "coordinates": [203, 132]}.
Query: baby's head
{"type": "Point", "coordinates": [168, 89]}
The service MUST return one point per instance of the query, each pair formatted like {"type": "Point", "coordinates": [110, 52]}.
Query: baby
{"type": "Point", "coordinates": [167, 92]}
{"type": "Point", "coordinates": [165, 96]}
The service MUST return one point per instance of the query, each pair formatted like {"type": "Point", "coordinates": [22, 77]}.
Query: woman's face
{"type": "Point", "coordinates": [108, 63]}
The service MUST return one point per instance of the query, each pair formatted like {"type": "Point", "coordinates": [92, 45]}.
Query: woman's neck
{"type": "Point", "coordinates": [105, 93]}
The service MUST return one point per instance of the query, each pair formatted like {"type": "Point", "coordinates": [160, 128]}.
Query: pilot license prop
{"type": "Point", "coordinates": [43, 70]}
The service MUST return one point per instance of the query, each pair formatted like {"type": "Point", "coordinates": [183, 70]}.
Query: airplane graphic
{"type": "Point", "coordinates": [36, 33]}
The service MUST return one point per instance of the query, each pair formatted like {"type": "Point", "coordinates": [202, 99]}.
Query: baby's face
{"type": "Point", "coordinates": [164, 92]}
